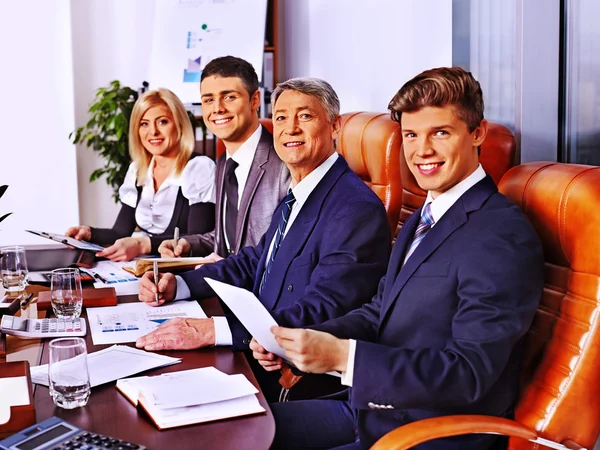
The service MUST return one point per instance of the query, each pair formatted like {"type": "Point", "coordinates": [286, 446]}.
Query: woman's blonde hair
{"type": "Point", "coordinates": [185, 134]}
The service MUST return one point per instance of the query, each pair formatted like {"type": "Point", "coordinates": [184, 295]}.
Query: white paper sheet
{"type": "Point", "coordinates": [253, 315]}
{"type": "Point", "coordinates": [111, 364]}
{"type": "Point", "coordinates": [195, 387]}
{"type": "Point", "coordinates": [251, 312]}
{"type": "Point", "coordinates": [111, 273]}
{"type": "Point", "coordinates": [129, 321]}
{"type": "Point", "coordinates": [13, 392]}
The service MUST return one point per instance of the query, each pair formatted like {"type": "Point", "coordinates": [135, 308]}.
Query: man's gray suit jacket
{"type": "Point", "coordinates": [267, 184]}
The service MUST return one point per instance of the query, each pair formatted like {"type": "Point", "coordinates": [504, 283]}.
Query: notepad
{"type": "Point", "coordinates": [192, 396]}
{"type": "Point", "coordinates": [143, 265]}
{"type": "Point", "coordinates": [112, 363]}
{"type": "Point", "coordinates": [14, 391]}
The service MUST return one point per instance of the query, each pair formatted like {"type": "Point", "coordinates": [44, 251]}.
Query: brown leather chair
{"type": "Point", "coordinates": [371, 144]}
{"type": "Point", "coordinates": [497, 156]}
{"type": "Point", "coordinates": [560, 398]}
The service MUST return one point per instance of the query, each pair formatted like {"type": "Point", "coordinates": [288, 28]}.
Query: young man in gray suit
{"type": "Point", "coordinates": [251, 179]}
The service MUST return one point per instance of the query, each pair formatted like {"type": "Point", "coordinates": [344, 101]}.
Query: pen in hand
{"type": "Point", "coordinates": [175, 238]}
{"type": "Point", "coordinates": [155, 267]}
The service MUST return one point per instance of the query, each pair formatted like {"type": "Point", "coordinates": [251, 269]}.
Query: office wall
{"type": "Point", "coordinates": [366, 50]}
{"type": "Point", "coordinates": [36, 159]}
{"type": "Point", "coordinates": [111, 41]}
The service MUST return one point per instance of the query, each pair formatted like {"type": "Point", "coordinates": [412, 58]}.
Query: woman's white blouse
{"type": "Point", "coordinates": [155, 210]}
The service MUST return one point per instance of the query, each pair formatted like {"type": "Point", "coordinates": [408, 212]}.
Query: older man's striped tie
{"type": "Point", "coordinates": [285, 215]}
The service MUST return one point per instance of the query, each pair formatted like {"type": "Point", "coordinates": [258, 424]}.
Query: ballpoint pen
{"type": "Point", "coordinates": [175, 238]}
{"type": "Point", "coordinates": [155, 267]}
{"type": "Point", "coordinates": [25, 302]}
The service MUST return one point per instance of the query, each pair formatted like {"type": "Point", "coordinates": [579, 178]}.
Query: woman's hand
{"type": "Point", "coordinates": [81, 233]}
{"type": "Point", "coordinates": [125, 249]}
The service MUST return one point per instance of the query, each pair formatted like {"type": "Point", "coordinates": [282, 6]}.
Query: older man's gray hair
{"type": "Point", "coordinates": [311, 86]}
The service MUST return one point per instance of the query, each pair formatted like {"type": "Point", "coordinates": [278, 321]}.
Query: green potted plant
{"type": "Point", "coordinates": [107, 132]}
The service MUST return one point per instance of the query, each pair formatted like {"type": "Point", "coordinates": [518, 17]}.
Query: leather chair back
{"type": "Point", "coordinates": [267, 123]}
{"type": "Point", "coordinates": [561, 371]}
{"type": "Point", "coordinates": [370, 143]}
{"type": "Point", "coordinates": [496, 157]}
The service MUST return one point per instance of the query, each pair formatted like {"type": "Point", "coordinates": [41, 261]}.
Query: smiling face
{"type": "Point", "coordinates": [302, 134]}
{"type": "Point", "coordinates": [439, 148]}
{"type": "Point", "coordinates": [158, 132]}
{"type": "Point", "coordinates": [229, 112]}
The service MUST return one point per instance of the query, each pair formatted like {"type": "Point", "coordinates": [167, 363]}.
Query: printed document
{"type": "Point", "coordinates": [111, 273]}
{"type": "Point", "coordinates": [112, 363]}
{"type": "Point", "coordinates": [128, 321]}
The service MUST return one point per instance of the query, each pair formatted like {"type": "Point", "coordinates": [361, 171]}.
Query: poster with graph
{"type": "Point", "coordinates": [188, 34]}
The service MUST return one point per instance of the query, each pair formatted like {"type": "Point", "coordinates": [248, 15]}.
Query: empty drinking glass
{"type": "Point", "coordinates": [68, 373]}
{"type": "Point", "coordinates": [65, 293]}
{"type": "Point", "coordinates": [13, 267]}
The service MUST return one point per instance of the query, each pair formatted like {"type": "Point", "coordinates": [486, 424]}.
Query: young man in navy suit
{"type": "Point", "coordinates": [442, 335]}
{"type": "Point", "coordinates": [325, 250]}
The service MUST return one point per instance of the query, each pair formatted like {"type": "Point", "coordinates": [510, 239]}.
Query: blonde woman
{"type": "Point", "coordinates": [166, 186]}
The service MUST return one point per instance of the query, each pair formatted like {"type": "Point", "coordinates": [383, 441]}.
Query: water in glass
{"type": "Point", "coordinates": [13, 268]}
{"type": "Point", "coordinates": [68, 373]}
{"type": "Point", "coordinates": [65, 293]}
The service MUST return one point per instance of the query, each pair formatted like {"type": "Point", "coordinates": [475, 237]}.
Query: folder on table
{"type": "Point", "coordinates": [143, 265]}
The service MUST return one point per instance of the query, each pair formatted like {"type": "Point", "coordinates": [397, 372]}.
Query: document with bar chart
{"type": "Point", "coordinates": [129, 321]}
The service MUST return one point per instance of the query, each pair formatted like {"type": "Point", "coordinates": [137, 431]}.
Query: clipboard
{"type": "Point", "coordinates": [81, 245]}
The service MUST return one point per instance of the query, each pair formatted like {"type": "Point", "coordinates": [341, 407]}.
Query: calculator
{"type": "Point", "coordinates": [43, 328]}
{"type": "Point", "coordinates": [55, 433]}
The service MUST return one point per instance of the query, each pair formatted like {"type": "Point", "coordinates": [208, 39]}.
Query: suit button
{"type": "Point", "coordinates": [290, 287]}
{"type": "Point", "coordinates": [246, 341]}
{"type": "Point", "coordinates": [372, 405]}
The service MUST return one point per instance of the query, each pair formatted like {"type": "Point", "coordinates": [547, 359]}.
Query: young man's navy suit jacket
{"type": "Point", "coordinates": [442, 334]}
{"type": "Point", "coordinates": [329, 262]}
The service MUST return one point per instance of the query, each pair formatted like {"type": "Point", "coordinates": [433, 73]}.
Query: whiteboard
{"type": "Point", "coordinates": [188, 34]}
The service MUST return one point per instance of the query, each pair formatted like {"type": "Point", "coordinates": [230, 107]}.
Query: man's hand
{"type": "Point", "coordinates": [166, 249]}
{"type": "Point", "coordinates": [126, 249]}
{"type": "Point", "coordinates": [180, 334]}
{"type": "Point", "coordinates": [313, 351]}
{"type": "Point", "coordinates": [81, 233]}
{"type": "Point", "coordinates": [167, 288]}
{"type": "Point", "coordinates": [269, 361]}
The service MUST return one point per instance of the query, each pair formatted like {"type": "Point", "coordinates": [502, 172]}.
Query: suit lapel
{"type": "Point", "coordinates": [220, 179]}
{"type": "Point", "coordinates": [452, 220]}
{"type": "Point", "coordinates": [261, 157]}
{"type": "Point", "coordinates": [296, 237]}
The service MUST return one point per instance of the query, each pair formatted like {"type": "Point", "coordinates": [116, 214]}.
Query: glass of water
{"type": "Point", "coordinates": [65, 293]}
{"type": "Point", "coordinates": [68, 373]}
{"type": "Point", "coordinates": [13, 267]}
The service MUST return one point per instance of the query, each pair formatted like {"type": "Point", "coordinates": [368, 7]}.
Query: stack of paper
{"type": "Point", "coordinates": [143, 265]}
{"type": "Point", "coordinates": [192, 396]}
{"type": "Point", "coordinates": [111, 364]}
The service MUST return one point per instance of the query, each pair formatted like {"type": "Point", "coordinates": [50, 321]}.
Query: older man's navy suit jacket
{"type": "Point", "coordinates": [442, 334]}
{"type": "Point", "coordinates": [329, 262]}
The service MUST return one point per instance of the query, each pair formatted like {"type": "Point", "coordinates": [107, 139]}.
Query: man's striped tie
{"type": "Point", "coordinates": [425, 224]}
{"type": "Point", "coordinates": [285, 215]}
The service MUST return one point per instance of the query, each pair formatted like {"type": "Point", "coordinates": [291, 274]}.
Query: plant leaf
{"type": "Point", "coordinates": [5, 216]}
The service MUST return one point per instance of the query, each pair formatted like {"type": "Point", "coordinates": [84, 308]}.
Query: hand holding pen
{"type": "Point", "coordinates": [149, 288]}
{"type": "Point", "coordinates": [175, 238]}
{"type": "Point", "coordinates": [155, 267]}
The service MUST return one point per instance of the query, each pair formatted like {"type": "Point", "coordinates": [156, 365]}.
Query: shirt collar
{"type": "Point", "coordinates": [171, 180]}
{"type": "Point", "coordinates": [244, 155]}
{"type": "Point", "coordinates": [444, 202]}
{"type": "Point", "coordinates": [303, 189]}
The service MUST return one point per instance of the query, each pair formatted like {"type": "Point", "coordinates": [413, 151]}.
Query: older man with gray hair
{"type": "Point", "coordinates": [326, 248]}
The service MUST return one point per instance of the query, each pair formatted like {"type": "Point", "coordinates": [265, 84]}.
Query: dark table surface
{"type": "Point", "coordinates": [109, 412]}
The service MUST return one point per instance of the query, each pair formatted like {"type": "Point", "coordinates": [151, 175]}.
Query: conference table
{"type": "Point", "coordinates": [109, 412]}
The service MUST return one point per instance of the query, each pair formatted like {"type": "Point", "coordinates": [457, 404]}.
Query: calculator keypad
{"type": "Point", "coordinates": [92, 441]}
{"type": "Point", "coordinates": [54, 325]}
